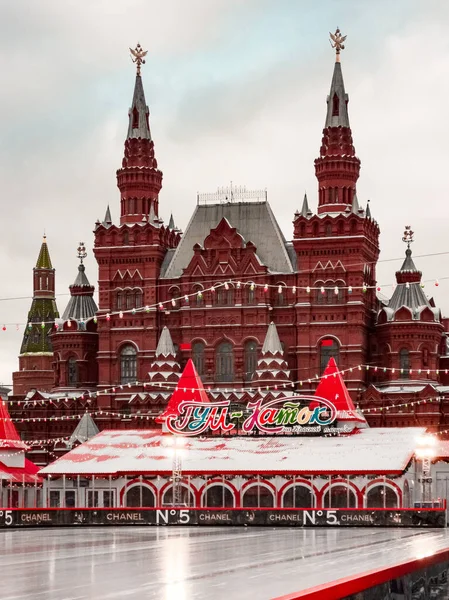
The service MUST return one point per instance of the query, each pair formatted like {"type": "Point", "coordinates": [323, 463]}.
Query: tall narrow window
{"type": "Point", "coordinates": [224, 362]}
{"type": "Point", "coordinates": [135, 118]}
{"type": "Point", "coordinates": [329, 349]}
{"type": "Point", "coordinates": [138, 298]}
{"type": "Point", "coordinates": [126, 237]}
{"type": "Point", "coordinates": [251, 294]}
{"type": "Point", "coordinates": [198, 357]}
{"type": "Point", "coordinates": [250, 359]}
{"type": "Point", "coordinates": [72, 371]}
{"type": "Point", "coordinates": [335, 106]}
{"type": "Point", "coordinates": [119, 301]}
{"type": "Point", "coordinates": [128, 364]}
{"type": "Point", "coordinates": [425, 357]}
{"type": "Point", "coordinates": [404, 363]}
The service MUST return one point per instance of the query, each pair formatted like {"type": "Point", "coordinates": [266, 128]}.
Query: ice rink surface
{"type": "Point", "coordinates": [180, 563]}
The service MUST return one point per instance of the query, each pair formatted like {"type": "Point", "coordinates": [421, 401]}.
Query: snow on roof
{"type": "Point", "coordinates": [379, 451]}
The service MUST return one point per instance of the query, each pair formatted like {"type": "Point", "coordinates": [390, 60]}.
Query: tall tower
{"type": "Point", "coordinates": [337, 168]}
{"type": "Point", "coordinates": [337, 251]}
{"type": "Point", "coordinates": [36, 352]}
{"type": "Point", "coordinates": [139, 180]}
{"type": "Point", "coordinates": [130, 256]}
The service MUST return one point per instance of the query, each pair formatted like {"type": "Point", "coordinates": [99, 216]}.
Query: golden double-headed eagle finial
{"type": "Point", "coordinates": [139, 56]}
{"type": "Point", "coordinates": [336, 42]}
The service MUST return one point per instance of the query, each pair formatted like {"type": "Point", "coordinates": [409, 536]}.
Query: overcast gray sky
{"type": "Point", "coordinates": [237, 91]}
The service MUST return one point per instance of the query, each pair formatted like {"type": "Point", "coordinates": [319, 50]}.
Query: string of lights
{"type": "Point", "coordinates": [184, 301]}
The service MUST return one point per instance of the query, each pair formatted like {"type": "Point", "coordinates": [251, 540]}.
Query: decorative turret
{"type": "Point", "coordinates": [139, 180]}
{"type": "Point", "coordinates": [337, 169]}
{"type": "Point", "coordinates": [36, 352]}
{"type": "Point", "coordinates": [43, 312]}
{"type": "Point", "coordinates": [272, 369]}
{"type": "Point", "coordinates": [408, 293]}
{"type": "Point", "coordinates": [81, 305]}
{"type": "Point", "coordinates": [165, 368]}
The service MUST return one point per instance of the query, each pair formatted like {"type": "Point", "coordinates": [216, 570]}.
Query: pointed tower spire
{"type": "Point", "coordinates": [171, 223]}
{"type": "Point", "coordinates": [337, 169]}
{"type": "Point", "coordinates": [107, 222]}
{"type": "Point", "coordinates": [44, 260]}
{"type": "Point", "coordinates": [355, 204]}
{"type": "Point", "coordinates": [36, 352]}
{"type": "Point", "coordinates": [305, 210]}
{"type": "Point", "coordinates": [139, 180]}
{"type": "Point", "coordinates": [368, 211]}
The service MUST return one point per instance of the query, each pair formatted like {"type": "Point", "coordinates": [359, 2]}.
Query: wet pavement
{"type": "Point", "coordinates": [171, 563]}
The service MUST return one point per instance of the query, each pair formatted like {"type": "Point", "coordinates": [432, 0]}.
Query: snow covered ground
{"type": "Point", "coordinates": [170, 563]}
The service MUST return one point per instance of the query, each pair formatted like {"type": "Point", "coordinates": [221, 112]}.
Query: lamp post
{"type": "Point", "coordinates": [425, 452]}
{"type": "Point", "coordinates": [176, 444]}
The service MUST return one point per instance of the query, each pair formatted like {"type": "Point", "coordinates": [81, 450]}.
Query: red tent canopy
{"type": "Point", "coordinates": [190, 387]}
{"type": "Point", "coordinates": [9, 438]}
{"type": "Point", "coordinates": [333, 388]}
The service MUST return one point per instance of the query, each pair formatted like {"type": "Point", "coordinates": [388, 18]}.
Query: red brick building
{"type": "Point", "coordinates": [212, 292]}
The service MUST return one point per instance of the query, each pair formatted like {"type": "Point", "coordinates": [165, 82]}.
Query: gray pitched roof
{"type": "Point", "coordinates": [253, 220]}
{"type": "Point", "coordinates": [337, 88]}
{"type": "Point", "coordinates": [272, 342]}
{"type": "Point", "coordinates": [143, 129]}
{"type": "Point", "coordinates": [165, 345]}
{"type": "Point", "coordinates": [81, 305]}
{"type": "Point", "coordinates": [85, 430]}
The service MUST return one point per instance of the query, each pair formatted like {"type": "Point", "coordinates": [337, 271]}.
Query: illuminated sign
{"type": "Point", "coordinates": [282, 415]}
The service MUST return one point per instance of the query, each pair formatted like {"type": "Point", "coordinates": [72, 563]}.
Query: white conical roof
{"type": "Point", "coordinates": [165, 345]}
{"type": "Point", "coordinates": [85, 430]}
{"type": "Point", "coordinates": [272, 342]}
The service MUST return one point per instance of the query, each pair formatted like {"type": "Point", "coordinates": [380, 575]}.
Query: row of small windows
{"type": "Point", "coordinates": [260, 496]}
{"type": "Point", "coordinates": [130, 298]}
{"type": "Point", "coordinates": [224, 360]}
{"type": "Point", "coordinates": [328, 228]}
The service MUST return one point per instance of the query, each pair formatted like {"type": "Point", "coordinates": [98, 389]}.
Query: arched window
{"type": "Point", "coordinates": [425, 357]}
{"type": "Point", "coordinates": [140, 495]}
{"type": "Point", "coordinates": [125, 238]}
{"type": "Point", "coordinates": [128, 364]}
{"type": "Point", "coordinates": [198, 357]}
{"type": "Point", "coordinates": [138, 298]}
{"type": "Point", "coordinates": [186, 497]}
{"type": "Point", "coordinates": [335, 106]}
{"type": "Point", "coordinates": [381, 496]}
{"type": "Point", "coordinates": [251, 294]}
{"type": "Point", "coordinates": [72, 371]}
{"type": "Point", "coordinates": [328, 349]}
{"type": "Point", "coordinates": [199, 298]}
{"type": "Point", "coordinates": [404, 363]}
{"type": "Point", "coordinates": [298, 496]}
{"type": "Point", "coordinates": [340, 496]}
{"type": "Point", "coordinates": [328, 229]}
{"type": "Point", "coordinates": [250, 359]}
{"type": "Point", "coordinates": [218, 496]}
{"type": "Point", "coordinates": [258, 496]}
{"type": "Point", "coordinates": [119, 300]}
{"type": "Point", "coordinates": [224, 362]}
{"type": "Point", "coordinates": [280, 296]}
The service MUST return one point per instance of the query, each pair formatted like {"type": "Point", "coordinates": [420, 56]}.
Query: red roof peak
{"type": "Point", "coordinates": [190, 387]}
{"type": "Point", "coordinates": [9, 438]}
{"type": "Point", "coordinates": [333, 388]}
